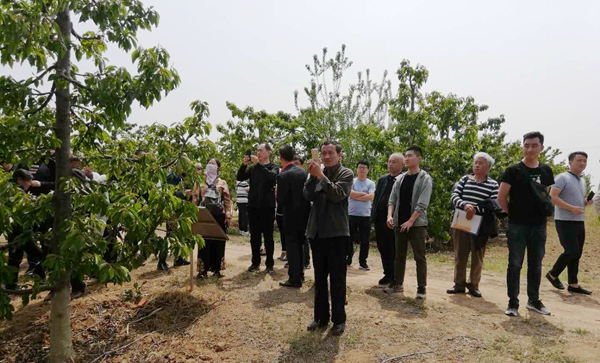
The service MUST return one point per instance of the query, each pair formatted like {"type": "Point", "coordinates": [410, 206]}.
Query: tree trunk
{"type": "Point", "coordinates": [61, 347]}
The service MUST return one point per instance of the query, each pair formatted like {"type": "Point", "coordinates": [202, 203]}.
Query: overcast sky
{"type": "Point", "coordinates": [536, 62]}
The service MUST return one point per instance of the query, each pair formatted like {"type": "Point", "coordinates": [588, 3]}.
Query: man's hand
{"type": "Point", "coordinates": [314, 169]}
{"type": "Point", "coordinates": [36, 183]}
{"type": "Point", "coordinates": [470, 211]}
{"type": "Point", "coordinates": [390, 222]}
{"type": "Point", "coordinates": [246, 159]}
{"type": "Point", "coordinates": [406, 226]}
{"type": "Point", "coordinates": [589, 202]}
{"type": "Point", "coordinates": [577, 211]}
{"type": "Point", "coordinates": [254, 159]}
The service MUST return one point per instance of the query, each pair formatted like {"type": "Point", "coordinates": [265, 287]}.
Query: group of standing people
{"type": "Point", "coordinates": [327, 208]}
{"type": "Point", "coordinates": [332, 210]}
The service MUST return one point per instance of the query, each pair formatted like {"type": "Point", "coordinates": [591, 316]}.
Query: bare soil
{"type": "Point", "coordinates": [248, 317]}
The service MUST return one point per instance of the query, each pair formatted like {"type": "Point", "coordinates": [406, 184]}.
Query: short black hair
{"type": "Point", "coordinates": [267, 146]}
{"type": "Point", "coordinates": [338, 147]}
{"type": "Point", "coordinates": [533, 135]}
{"type": "Point", "coordinates": [22, 174]}
{"type": "Point", "coordinates": [287, 152]}
{"type": "Point", "coordinates": [298, 159]}
{"type": "Point", "coordinates": [575, 153]}
{"type": "Point", "coordinates": [416, 149]}
{"type": "Point", "coordinates": [363, 162]}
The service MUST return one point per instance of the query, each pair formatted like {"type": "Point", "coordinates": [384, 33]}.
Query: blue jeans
{"type": "Point", "coordinates": [521, 238]}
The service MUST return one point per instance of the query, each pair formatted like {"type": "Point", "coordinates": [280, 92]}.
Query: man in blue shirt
{"type": "Point", "coordinates": [359, 210]}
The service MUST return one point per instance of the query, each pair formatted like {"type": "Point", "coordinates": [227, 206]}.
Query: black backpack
{"type": "Point", "coordinates": [213, 201]}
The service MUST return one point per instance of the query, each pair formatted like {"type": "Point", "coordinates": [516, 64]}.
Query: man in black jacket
{"type": "Point", "coordinates": [328, 232]}
{"type": "Point", "coordinates": [295, 209]}
{"type": "Point", "coordinates": [383, 234]}
{"type": "Point", "coordinates": [261, 203]}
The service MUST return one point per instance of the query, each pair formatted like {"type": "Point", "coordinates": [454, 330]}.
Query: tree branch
{"type": "Point", "coordinates": [25, 291]}
{"type": "Point", "coordinates": [180, 153]}
{"type": "Point", "coordinates": [52, 67]}
{"type": "Point", "coordinates": [76, 35]}
{"type": "Point", "coordinates": [75, 82]}
{"type": "Point", "coordinates": [45, 103]}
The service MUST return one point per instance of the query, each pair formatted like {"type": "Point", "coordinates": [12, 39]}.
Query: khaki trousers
{"type": "Point", "coordinates": [464, 245]}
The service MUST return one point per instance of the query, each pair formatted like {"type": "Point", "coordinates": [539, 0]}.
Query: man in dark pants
{"type": "Point", "coordinates": [523, 195]}
{"type": "Point", "coordinates": [569, 198]}
{"type": "Point", "coordinates": [359, 210]}
{"type": "Point", "coordinates": [299, 162]}
{"type": "Point", "coordinates": [407, 213]}
{"type": "Point", "coordinates": [383, 234]}
{"type": "Point", "coordinates": [294, 209]}
{"type": "Point", "coordinates": [15, 253]}
{"type": "Point", "coordinates": [261, 203]}
{"type": "Point", "coordinates": [328, 232]}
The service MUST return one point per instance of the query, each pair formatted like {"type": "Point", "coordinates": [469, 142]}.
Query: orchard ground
{"type": "Point", "coordinates": [248, 317]}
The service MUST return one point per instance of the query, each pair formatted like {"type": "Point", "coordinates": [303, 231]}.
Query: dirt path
{"type": "Point", "coordinates": [570, 311]}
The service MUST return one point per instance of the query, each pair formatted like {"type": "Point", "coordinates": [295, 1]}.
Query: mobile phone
{"type": "Point", "coordinates": [590, 196]}
{"type": "Point", "coordinates": [249, 152]}
{"type": "Point", "coordinates": [315, 154]}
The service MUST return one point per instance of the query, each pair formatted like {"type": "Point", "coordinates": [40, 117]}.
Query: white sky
{"type": "Point", "coordinates": [536, 62]}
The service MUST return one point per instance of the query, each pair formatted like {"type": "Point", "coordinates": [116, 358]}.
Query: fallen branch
{"type": "Point", "coordinates": [145, 317]}
{"type": "Point", "coordinates": [25, 291]}
{"type": "Point", "coordinates": [407, 356]}
{"type": "Point", "coordinates": [106, 354]}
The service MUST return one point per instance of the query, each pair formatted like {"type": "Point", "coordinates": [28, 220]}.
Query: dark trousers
{"type": "Point", "coordinates": [360, 229]}
{"type": "Point", "coordinates": [520, 238]}
{"type": "Point", "coordinates": [16, 252]}
{"type": "Point", "coordinates": [212, 254]}
{"type": "Point", "coordinates": [306, 249]}
{"type": "Point", "coordinates": [572, 238]}
{"type": "Point", "coordinates": [416, 237]}
{"type": "Point", "coordinates": [386, 244]}
{"type": "Point", "coordinates": [261, 225]}
{"type": "Point", "coordinates": [329, 261]}
{"type": "Point", "coordinates": [282, 234]}
{"type": "Point", "coordinates": [243, 216]}
{"type": "Point", "coordinates": [295, 255]}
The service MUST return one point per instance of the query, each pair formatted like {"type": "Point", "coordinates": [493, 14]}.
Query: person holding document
{"type": "Point", "coordinates": [475, 194]}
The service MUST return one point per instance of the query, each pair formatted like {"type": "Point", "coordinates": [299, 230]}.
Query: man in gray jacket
{"type": "Point", "coordinates": [407, 214]}
{"type": "Point", "coordinates": [328, 233]}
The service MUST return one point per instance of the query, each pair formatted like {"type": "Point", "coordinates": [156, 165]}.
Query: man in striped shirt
{"type": "Point", "coordinates": [475, 194]}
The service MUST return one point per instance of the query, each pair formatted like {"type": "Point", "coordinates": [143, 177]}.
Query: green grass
{"type": "Point", "coordinates": [580, 331]}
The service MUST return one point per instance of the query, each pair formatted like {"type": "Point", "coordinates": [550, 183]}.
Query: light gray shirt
{"type": "Point", "coordinates": [572, 190]}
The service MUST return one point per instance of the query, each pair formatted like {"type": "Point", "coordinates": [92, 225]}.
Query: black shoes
{"type": "Point", "coordinates": [364, 267]}
{"type": "Point", "coordinates": [338, 329]}
{"type": "Point", "coordinates": [385, 281]}
{"type": "Point", "coordinates": [269, 270]}
{"type": "Point", "coordinates": [181, 262]}
{"type": "Point", "coordinates": [290, 284]}
{"type": "Point", "coordinates": [162, 266]}
{"type": "Point", "coordinates": [475, 292]}
{"type": "Point", "coordinates": [555, 282]}
{"type": "Point", "coordinates": [579, 290]}
{"type": "Point", "coordinates": [307, 266]}
{"type": "Point", "coordinates": [253, 268]}
{"type": "Point", "coordinates": [218, 275]}
{"type": "Point", "coordinates": [314, 325]}
{"type": "Point", "coordinates": [455, 290]}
